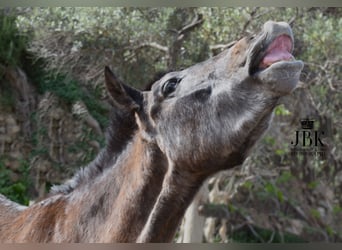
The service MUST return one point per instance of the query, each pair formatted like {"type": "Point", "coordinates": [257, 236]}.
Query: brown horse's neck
{"type": "Point", "coordinates": [176, 195]}
{"type": "Point", "coordinates": [115, 206]}
{"type": "Point", "coordinates": [178, 191]}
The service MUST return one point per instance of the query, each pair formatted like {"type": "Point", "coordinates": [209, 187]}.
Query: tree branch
{"type": "Point", "coordinates": [197, 21]}
{"type": "Point", "coordinates": [152, 45]}
{"type": "Point", "coordinates": [251, 16]}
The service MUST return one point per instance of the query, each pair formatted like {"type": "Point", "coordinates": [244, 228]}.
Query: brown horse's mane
{"type": "Point", "coordinates": [120, 131]}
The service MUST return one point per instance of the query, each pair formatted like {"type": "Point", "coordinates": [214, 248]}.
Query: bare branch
{"type": "Point", "coordinates": [197, 21]}
{"type": "Point", "coordinates": [152, 45]}
{"type": "Point", "coordinates": [250, 19]}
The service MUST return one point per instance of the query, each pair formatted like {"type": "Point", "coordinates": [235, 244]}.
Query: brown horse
{"type": "Point", "coordinates": [162, 144]}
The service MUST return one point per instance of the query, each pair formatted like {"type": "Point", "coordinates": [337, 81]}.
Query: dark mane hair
{"type": "Point", "coordinates": [120, 131]}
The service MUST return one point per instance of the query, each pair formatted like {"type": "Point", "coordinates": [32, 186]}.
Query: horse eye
{"type": "Point", "coordinates": [170, 86]}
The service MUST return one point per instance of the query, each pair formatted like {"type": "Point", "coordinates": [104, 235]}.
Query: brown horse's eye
{"type": "Point", "coordinates": [170, 86]}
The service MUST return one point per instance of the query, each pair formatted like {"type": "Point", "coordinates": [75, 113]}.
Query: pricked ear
{"type": "Point", "coordinates": [123, 95]}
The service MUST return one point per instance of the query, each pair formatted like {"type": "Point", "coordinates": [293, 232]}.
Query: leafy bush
{"type": "Point", "coordinates": [70, 91]}
{"type": "Point", "coordinates": [66, 88]}
{"type": "Point", "coordinates": [12, 42]}
{"type": "Point", "coordinates": [16, 191]}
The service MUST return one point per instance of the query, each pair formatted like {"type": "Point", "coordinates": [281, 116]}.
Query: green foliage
{"type": "Point", "coordinates": [273, 190]}
{"type": "Point", "coordinates": [264, 235]}
{"type": "Point", "coordinates": [337, 209]}
{"type": "Point", "coordinates": [248, 185]}
{"type": "Point", "coordinates": [70, 91]}
{"type": "Point", "coordinates": [313, 184]}
{"type": "Point", "coordinates": [280, 152]}
{"type": "Point", "coordinates": [284, 177]}
{"type": "Point", "coordinates": [330, 231]}
{"type": "Point", "coordinates": [16, 191]}
{"type": "Point", "coordinates": [281, 110]}
{"type": "Point", "coordinates": [232, 208]}
{"type": "Point", "coordinates": [7, 100]}
{"type": "Point", "coordinates": [315, 213]}
{"type": "Point", "coordinates": [12, 42]}
{"type": "Point", "coordinates": [269, 140]}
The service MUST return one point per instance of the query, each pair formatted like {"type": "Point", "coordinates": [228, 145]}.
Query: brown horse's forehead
{"type": "Point", "coordinates": [238, 54]}
{"type": "Point", "coordinates": [240, 47]}
{"type": "Point", "coordinates": [227, 60]}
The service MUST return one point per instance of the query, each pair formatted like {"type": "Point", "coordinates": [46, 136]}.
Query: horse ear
{"type": "Point", "coordinates": [122, 94]}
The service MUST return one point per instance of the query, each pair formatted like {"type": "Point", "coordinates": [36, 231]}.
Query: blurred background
{"type": "Point", "coordinates": [54, 111]}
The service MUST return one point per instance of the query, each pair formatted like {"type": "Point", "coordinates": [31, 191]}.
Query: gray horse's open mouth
{"type": "Point", "coordinates": [279, 50]}
{"type": "Point", "coordinates": [271, 60]}
{"type": "Point", "coordinates": [269, 54]}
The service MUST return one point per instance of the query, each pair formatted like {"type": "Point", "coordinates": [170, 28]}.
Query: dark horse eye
{"type": "Point", "coordinates": [170, 86]}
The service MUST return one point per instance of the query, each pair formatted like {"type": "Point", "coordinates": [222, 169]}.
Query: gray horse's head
{"type": "Point", "coordinates": [207, 117]}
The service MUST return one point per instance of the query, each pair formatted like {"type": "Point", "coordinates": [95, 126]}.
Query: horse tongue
{"type": "Point", "coordinates": [278, 50]}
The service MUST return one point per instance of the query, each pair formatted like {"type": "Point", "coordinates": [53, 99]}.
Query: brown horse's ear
{"type": "Point", "coordinates": [123, 95]}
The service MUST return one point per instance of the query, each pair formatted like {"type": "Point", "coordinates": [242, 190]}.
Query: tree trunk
{"type": "Point", "coordinates": [193, 222]}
